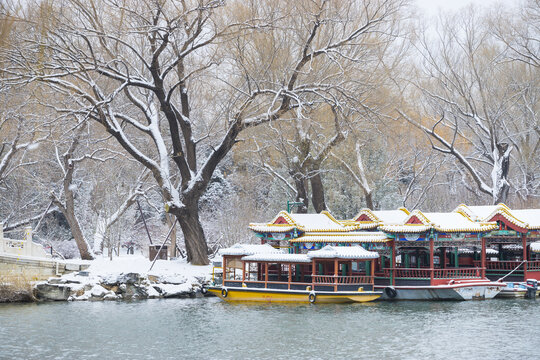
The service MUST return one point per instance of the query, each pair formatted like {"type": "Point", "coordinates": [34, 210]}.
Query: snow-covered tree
{"type": "Point", "coordinates": [159, 77]}
{"type": "Point", "coordinates": [470, 105]}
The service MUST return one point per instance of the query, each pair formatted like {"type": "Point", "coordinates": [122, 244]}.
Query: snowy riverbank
{"type": "Point", "coordinates": [126, 278]}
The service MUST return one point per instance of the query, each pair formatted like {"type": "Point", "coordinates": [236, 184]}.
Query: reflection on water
{"type": "Point", "coordinates": [211, 329]}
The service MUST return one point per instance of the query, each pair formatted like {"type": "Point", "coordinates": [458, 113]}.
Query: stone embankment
{"type": "Point", "coordinates": [125, 286]}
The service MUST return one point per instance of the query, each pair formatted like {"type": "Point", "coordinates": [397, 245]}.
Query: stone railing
{"type": "Point", "coordinates": [24, 247]}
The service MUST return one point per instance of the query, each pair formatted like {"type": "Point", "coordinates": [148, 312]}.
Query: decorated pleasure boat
{"type": "Point", "coordinates": [263, 273]}
{"type": "Point", "coordinates": [423, 256]}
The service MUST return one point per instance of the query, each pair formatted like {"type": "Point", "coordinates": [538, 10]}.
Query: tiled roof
{"type": "Point", "coordinates": [278, 258]}
{"type": "Point", "coordinates": [342, 252]}
{"type": "Point", "coordinates": [351, 237]}
{"type": "Point", "coordinates": [249, 249]}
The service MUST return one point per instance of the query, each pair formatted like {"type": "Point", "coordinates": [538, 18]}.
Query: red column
{"type": "Point", "coordinates": [373, 271]}
{"type": "Point", "coordinates": [393, 261]}
{"type": "Point", "coordinates": [524, 241]}
{"type": "Point", "coordinates": [290, 276]}
{"type": "Point", "coordinates": [431, 260]}
{"type": "Point", "coordinates": [336, 268]}
{"type": "Point", "coordinates": [483, 257]}
{"type": "Point", "coordinates": [243, 272]}
{"type": "Point", "coordinates": [224, 269]}
{"type": "Point", "coordinates": [313, 273]}
{"type": "Point", "coordinates": [265, 275]}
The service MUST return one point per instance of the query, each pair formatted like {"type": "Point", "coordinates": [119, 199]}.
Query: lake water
{"type": "Point", "coordinates": [211, 329]}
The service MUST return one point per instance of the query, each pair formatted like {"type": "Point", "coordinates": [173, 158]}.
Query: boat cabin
{"type": "Point", "coordinates": [328, 269]}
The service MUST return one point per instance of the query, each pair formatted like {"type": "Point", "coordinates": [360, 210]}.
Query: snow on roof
{"type": "Point", "coordinates": [486, 213]}
{"type": "Point", "coordinates": [408, 228]}
{"type": "Point", "coordinates": [456, 222]}
{"type": "Point", "coordinates": [535, 247]}
{"type": "Point", "coordinates": [477, 213]}
{"type": "Point", "coordinates": [529, 216]}
{"type": "Point", "coordinates": [471, 251]}
{"type": "Point", "coordinates": [385, 217]}
{"type": "Point", "coordinates": [278, 258]}
{"type": "Point", "coordinates": [359, 225]}
{"type": "Point", "coordinates": [249, 249]}
{"type": "Point", "coordinates": [392, 216]}
{"type": "Point", "coordinates": [271, 228]}
{"type": "Point", "coordinates": [342, 252]}
{"type": "Point", "coordinates": [512, 247]}
{"type": "Point", "coordinates": [318, 222]}
{"type": "Point", "coordinates": [351, 237]}
{"type": "Point", "coordinates": [443, 222]}
{"type": "Point", "coordinates": [304, 222]}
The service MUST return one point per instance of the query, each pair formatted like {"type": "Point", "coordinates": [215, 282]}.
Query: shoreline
{"type": "Point", "coordinates": [123, 278]}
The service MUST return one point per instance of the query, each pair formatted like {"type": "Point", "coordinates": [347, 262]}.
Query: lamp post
{"type": "Point", "coordinates": [291, 204]}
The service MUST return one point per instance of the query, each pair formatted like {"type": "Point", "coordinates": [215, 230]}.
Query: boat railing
{"type": "Point", "coordinates": [533, 266]}
{"type": "Point", "coordinates": [408, 273]}
{"type": "Point", "coordinates": [500, 264]}
{"type": "Point", "coordinates": [462, 273]}
{"type": "Point", "coordinates": [333, 279]}
{"type": "Point", "coordinates": [415, 273]}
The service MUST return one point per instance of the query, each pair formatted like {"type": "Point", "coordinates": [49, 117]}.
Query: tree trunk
{"type": "Point", "coordinates": [301, 185]}
{"type": "Point", "coordinates": [369, 200]}
{"type": "Point", "coordinates": [68, 209]}
{"type": "Point", "coordinates": [99, 234]}
{"type": "Point", "coordinates": [501, 167]}
{"type": "Point", "coordinates": [171, 223]}
{"type": "Point", "coordinates": [317, 191]}
{"type": "Point", "coordinates": [77, 233]}
{"type": "Point", "coordinates": [196, 248]}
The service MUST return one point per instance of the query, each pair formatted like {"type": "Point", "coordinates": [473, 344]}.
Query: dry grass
{"type": "Point", "coordinates": [15, 288]}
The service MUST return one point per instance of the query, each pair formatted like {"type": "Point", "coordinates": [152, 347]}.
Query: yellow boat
{"type": "Point", "coordinates": [261, 273]}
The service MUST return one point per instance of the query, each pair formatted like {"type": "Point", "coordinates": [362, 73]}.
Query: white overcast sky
{"type": "Point", "coordinates": [432, 7]}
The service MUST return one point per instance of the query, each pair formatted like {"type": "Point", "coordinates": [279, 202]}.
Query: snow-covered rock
{"type": "Point", "coordinates": [99, 291]}
{"type": "Point", "coordinates": [54, 292]}
{"type": "Point", "coordinates": [172, 290]}
{"type": "Point", "coordinates": [126, 278]}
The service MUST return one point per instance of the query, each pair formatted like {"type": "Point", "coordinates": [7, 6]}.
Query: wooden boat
{"type": "Point", "coordinates": [520, 290]}
{"type": "Point", "coordinates": [423, 256]}
{"type": "Point", "coordinates": [262, 273]}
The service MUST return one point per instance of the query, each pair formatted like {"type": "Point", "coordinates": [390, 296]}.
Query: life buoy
{"type": "Point", "coordinates": [390, 292]}
{"type": "Point", "coordinates": [312, 298]}
{"type": "Point", "coordinates": [204, 289]}
{"type": "Point", "coordinates": [224, 292]}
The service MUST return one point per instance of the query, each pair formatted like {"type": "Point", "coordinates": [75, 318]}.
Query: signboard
{"type": "Point", "coordinates": [494, 233]}
{"type": "Point", "coordinates": [411, 237]}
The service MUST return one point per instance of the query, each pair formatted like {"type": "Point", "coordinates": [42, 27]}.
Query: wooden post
{"type": "Point", "coordinates": [336, 268]}
{"type": "Point", "coordinates": [524, 242]}
{"type": "Point", "coordinates": [431, 260]}
{"type": "Point", "coordinates": [373, 271]}
{"type": "Point", "coordinates": [393, 261]}
{"type": "Point", "coordinates": [224, 269]}
{"type": "Point", "coordinates": [266, 275]}
{"type": "Point", "coordinates": [483, 257]}
{"type": "Point", "coordinates": [290, 275]}
{"type": "Point", "coordinates": [244, 272]}
{"type": "Point", "coordinates": [313, 273]}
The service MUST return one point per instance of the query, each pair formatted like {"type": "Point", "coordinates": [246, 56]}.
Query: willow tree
{"type": "Point", "coordinates": [160, 77]}
{"type": "Point", "coordinates": [476, 104]}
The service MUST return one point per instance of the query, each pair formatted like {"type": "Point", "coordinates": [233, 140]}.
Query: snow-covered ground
{"type": "Point", "coordinates": [127, 277]}
{"type": "Point", "coordinates": [141, 265]}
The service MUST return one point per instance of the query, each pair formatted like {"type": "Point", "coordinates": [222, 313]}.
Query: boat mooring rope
{"type": "Point", "coordinates": [517, 267]}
